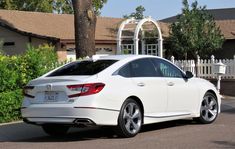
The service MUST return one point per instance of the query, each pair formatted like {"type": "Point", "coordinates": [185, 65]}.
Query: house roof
{"type": "Point", "coordinates": [218, 14]}
{"type": "Point", "coordinates": [227, 28]}
{"type": "Point", "coordinates": [61, 26]}
{"type": "Point", "coordinates": [58, 26]}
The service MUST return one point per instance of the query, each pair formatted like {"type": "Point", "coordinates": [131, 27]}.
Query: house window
{"type": "Point", "coordinates": [98, 49]}
{"type": "Point", "coordinates": [108, 49]}
{"type": "Point", "coordinates": [8, 43]}
{"type": "Point", "coordinates": [105, 49]}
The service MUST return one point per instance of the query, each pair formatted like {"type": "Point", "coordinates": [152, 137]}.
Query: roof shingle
{"type": "Point", "coordinates": [61, 26]}
{"type": "Point", "coordinates": [227, 27]}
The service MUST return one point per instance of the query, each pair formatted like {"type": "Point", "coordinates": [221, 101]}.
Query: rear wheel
{"type": "Point", "coordinates": [55, 129]}
{"type": "Point", "coordinates": [209, 109]}
{"type": "Point", "coordinates": [130, 119]}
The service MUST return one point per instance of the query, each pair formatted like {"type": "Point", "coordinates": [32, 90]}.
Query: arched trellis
{"type": "Point", "coordinates": [138, 28]}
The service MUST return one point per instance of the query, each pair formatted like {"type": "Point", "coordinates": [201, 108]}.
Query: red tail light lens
{"type": "Point", "coordinates": [85, 89]}
{"type": "Point", "coordinates": [26, 91]}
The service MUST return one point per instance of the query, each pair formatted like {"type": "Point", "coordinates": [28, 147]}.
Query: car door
{"type": "Point", "coordinates": [149, 87]}
{"type": "Point", "coordinates": [181, 93]}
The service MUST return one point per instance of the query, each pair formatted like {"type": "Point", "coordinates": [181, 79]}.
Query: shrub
{"type": "Point", "coordinates": [9, 77]}
{"type": "Point", "coordinates": [16, 72]}
{"type": "Point", "coordinates": [10, 103]}
{"type": "Point", "coordinates": [37, 61]}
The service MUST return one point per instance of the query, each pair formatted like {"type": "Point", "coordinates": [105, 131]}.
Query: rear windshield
{"type": "Point", "coordinates": [83, 68]}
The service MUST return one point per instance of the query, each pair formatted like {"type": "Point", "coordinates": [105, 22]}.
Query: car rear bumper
{"type": "Point", "coordinates": [70, 115]}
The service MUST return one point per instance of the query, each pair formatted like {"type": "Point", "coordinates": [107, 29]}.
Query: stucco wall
{"type": "Point", "coordinates": [36, 41]}
{"type": "Point", "coordinates": [62, 50]}
{"type": "Point", "coordinates": [20, 44]}
{"type": "Point", "coordinates": [100, 48]}
{"type": "Point", "coordinates": [10, 36]}
{"type": "Point", "coordinates": [20, 41]}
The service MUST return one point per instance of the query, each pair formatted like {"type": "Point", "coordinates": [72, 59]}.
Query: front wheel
{"type": "Point", "coordinates": [209, 109]}
{"type": "Point", "coordinates": [55, 129]}
{"type": "Point", "coordinates": [130, 119]}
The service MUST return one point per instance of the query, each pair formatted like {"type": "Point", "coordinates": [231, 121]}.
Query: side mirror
{"type": "Point", "coordinates": [188, 74]}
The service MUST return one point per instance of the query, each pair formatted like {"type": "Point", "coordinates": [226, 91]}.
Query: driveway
{"type": "Point", "coordinates": [175, 134]}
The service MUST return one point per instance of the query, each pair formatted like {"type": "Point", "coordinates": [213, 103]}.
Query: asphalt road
{"type": "Point", "coordinates": [182, 134]}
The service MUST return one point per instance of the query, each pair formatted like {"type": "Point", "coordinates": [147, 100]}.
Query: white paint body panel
{"type": "Point", "coordinates": [161, 101]}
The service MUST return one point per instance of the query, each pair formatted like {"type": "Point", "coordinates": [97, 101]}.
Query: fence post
{"type": "Point", "coordinates": [173, 59]}
{"type": "Point", "coordinates": [212, 58]}
{"type": "Point", "coordinates": [197, 67]}
{"type": "Point", "coordinates": [212, 66]}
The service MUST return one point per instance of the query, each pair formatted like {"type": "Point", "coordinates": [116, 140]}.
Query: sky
{"type": "Point", "coordinates": [157, 9]}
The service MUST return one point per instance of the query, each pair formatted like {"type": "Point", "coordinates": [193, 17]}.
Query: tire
{"type": "Point", "coordinates": [130, 119]}
{"type": "Point", "coordinates": [208, 109]}
{"type": "Point", "coordinates": [55, 129]}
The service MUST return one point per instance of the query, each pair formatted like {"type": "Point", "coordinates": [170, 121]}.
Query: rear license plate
{"type": "Point", "coordinates": [51, 96]}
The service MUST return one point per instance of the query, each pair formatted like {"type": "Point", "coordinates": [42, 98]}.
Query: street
{"type": "Point", "coordinates": [175, 134]}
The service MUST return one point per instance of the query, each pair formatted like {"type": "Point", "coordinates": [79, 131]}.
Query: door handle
{"type": "Point", "coordinates": [141, 84]}
{"type": "Point", "coordinates": [170, 83]}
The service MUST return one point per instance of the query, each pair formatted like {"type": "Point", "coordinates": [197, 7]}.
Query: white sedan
{"type": "Point", "coordinates": [126, 91]}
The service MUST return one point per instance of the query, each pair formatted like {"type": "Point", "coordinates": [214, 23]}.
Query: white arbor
{"type": "Point", "coordinates": [136, 26]}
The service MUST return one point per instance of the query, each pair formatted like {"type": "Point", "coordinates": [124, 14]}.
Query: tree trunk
{"type": "Point", "coordinates": [85, 24]}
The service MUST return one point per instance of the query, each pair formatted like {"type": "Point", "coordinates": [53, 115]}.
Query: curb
{"type": "Point", "coordinates": [10, 123]}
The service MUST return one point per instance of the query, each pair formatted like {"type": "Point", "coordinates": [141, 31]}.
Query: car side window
{"type": "Point", "coordinates": [143, 68]}
{"type": "Point", "coordinates": [138, 68]}
{"type": "Point", "coordinates": [125, 71]}
{"type": "Point", "coordinates": [167, 69]}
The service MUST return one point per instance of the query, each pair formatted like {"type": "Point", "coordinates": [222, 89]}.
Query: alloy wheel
{"type": "Point", "coordinates": [132, 118]}
{"type": "Point", "coordinates": [209, 108]}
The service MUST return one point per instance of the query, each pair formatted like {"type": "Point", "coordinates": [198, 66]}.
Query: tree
{"type": "Point", "coordinates": [85, 23]}
{"type": "Point", "coordinates": [138, 14]}
{"type": "Point", "coordinates": [63, 6]}
{"type": "Point", "coordinates": [28, 5]}
{"type": "Point", "coordinates": [98, 5]}
{"type": "Point", "coordinates": [195, 33]}
{"type": "Point", "coordinates": [66, 6]}
{"type": "Point", "coordinates": [51, 6]}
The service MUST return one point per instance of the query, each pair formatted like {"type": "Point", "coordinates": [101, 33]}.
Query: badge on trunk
{"type": "Point", "coordinates": [49, 87]}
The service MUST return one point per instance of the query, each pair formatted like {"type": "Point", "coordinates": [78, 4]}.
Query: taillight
{"type": "Point", "coordinates": [85, 89]}
{"type": "Point", "coordinates": [26, 91]}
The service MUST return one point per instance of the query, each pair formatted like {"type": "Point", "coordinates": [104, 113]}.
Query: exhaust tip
{"type": "Point", "coordinates": [84, 122]}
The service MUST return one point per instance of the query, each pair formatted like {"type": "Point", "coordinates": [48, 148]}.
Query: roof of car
{"type": "Point", "coordinates": [120, 57]}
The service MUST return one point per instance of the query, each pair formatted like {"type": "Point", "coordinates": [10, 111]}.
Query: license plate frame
{"type": "Point", "coordinates": [51, 96]}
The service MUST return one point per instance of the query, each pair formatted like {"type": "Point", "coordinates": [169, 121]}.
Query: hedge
{"type": "Point", "coordinates": [10, 103]}
{"type": "Point", "coordinates": [16, 72]}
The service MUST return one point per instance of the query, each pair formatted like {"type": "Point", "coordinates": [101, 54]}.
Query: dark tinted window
{"type": "Point", "coordinates": [166, 69]}
{"type": "Point", "coordinates": [142, 68]}
{"type": "Point", "coordinates": [125, 71]}
{"type": "Point", "coordinates": [83, 68]}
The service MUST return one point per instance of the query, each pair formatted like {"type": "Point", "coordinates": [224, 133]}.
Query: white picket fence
{"type": "Point", "coordinates": [205, 67]}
